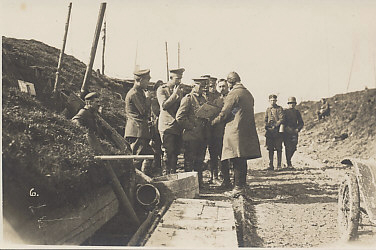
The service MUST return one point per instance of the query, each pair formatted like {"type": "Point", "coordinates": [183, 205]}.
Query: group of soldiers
{"type": "Point", "coordinates": [282, 126]}
{"type": "Point", "coordinates": [162, 119]}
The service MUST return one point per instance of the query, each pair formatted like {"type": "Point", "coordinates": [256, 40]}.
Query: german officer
{"type": "Point", "coordinates": [240, 140]}
{"type": "Point", "coordinates": [274, 117]}
{"type": "Point", "coordinates": [293, 124]}
{"type": "Point", "coordinates": [137, 112]}
{"type": "Point", "coordinates": [169, 96]}
{"type": "Point", "coordinates": [193, 128]}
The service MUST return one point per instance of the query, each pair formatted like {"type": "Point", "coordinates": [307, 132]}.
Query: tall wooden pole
{"type": "Point", "coordinates": [93, 50]}
{"type": "Point", "coordinates": [352, 65]}
{"type": "Point", "coordinates": [168, 75]}
{"type": "Point", "coordinates": [56, 86]}
{"type": "Point", "coordinates": [104, 45]}
{"type": "Point", "coordinates": [178, 54]}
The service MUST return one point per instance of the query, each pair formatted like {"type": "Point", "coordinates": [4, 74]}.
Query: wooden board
{"type": "Point", "coordinates": [366, 174]}
{"type": "Point", "coordinates": [196, 223]}
{"type": "Point", "coordinates": [70, 225]}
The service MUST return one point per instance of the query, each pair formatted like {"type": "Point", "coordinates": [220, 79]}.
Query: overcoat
{"type": "Point", "coordinates": [240, 139]}
{"type": "Point", "coordinates": [169, 104]}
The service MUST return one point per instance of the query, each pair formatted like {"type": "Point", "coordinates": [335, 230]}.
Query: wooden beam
{"type": "Point", "coordinates": [123, 157]}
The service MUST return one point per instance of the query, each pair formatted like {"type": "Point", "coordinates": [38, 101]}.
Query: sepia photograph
{"type": "Point", "coordinates": [188, 124]}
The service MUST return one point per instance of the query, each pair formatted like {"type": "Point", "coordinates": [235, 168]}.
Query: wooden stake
{"type": "Point", "coordinates": [168, 75]}
{"type": "Point", "coordinates": [93, 49]}
{"type": "Point", "coordinates": [104, 45]}
{"type": "Point", "coordinates": [56, 85]}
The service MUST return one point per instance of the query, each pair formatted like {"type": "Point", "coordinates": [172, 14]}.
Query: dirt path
{"type": "Point", "coordinates": [297, 208]}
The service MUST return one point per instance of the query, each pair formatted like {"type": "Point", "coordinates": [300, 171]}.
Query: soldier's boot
{"type": "Point", "coordinates": [288, 157]}
{"type": "Point", "coordinates": [157, 166]}
{"type": "Point", "coordinates": [271, 158]}
{"type": "Point", "coordinates": [279, 160]}
{"type": "Point", "coordinates": [239, 182]}
{"type": "Point", "coordinates": [200, 178]}
{"type": "Point", "coordinates": [226, 183]}
{"type": "Point", "coordinates": [173, 160]}
{"type": "Point", "coordinates": [147, 167]}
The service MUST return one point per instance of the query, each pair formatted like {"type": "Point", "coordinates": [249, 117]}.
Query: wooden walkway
{"type": "Point", "coordinates": [195, 223]}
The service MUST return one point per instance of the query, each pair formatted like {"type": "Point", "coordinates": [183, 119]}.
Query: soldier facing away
{"type": "Point", "coordinates": [324, 110]}
{"type": "Point", "coordinates": [240, 140]}
{"type": "Point", "coordinates": [169, 96]}
{"type": "Point", "coordinates": [293, 124]}
{"type": "Point", "coordinates": [137, 112]}
{"type": "Point", "coordinates": [274, 117]}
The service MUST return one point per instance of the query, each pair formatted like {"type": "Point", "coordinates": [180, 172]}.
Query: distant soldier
{"type": "Point", "coordinates": [274, 117]}
{"type": "Point", "coordinates": [193, 128]}
{"type": "Point", "coordinates": [240, 140]}
{"type": "Point", "coordinates": [324, 110]}
{"type": "Point", "coordinates": [155, 142]}
{"type": "Point", "coordinates": [169, 96]}
{"type": "Point", "coordinates": [137, 112]}
{"type": "Point", "coordinates": [293, 124]}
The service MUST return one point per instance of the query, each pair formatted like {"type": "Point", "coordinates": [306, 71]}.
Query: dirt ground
{"type": "Point", "coordinates": [296, 208]}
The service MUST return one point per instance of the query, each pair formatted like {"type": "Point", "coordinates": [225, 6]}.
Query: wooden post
{"type": "Point", "coordinates": [56, 86]}
{"type": "Point", "coordinates": [104, 45]}
{"type": "Point", "coordinates": [178, 54]}
{"type": "Point", "coordinates": [93, 49]}
{"type": "Point", "coordinates": [168, 75]}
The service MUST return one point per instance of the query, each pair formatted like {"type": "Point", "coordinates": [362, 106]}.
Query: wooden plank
{"type": "Point", "coordinates": [123, 157]}
{"type": "Point", "coordinates": [71, 225]}
{"type": "Point", "coordinates": [196, 223]}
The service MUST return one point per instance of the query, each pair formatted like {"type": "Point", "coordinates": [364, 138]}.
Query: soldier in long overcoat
{"type": "Point", "coordinates": [137, 112]}
{"type": "Point", "coordinates": [169, 96]}
{"type": "Point", "coordinates": [240, 141]}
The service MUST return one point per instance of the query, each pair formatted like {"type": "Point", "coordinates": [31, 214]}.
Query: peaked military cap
{"type": "Point", "coordinates": [272, 96]}
{"type": "Point", "coordinates": [206, 76]}
{"type": "Point", "coordinates": [142, 72]}
{"type": "Point", "coordinates": [291, 100]}
{"type": "Point", "coordinates": [213, 78]}
{"type": "Point", "coordinates": [91, 96]}
{"type": "Point", "coordinates": [178, 71]}
{"type": "Point", "coordinates": [200, 80]}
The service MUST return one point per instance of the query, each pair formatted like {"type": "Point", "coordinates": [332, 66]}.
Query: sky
{"type": "Point", "coordinates": [304, 48]}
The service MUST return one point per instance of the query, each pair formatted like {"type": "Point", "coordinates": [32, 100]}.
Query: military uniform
{"type": "Point", "coordinates": [293, 124]}
{"type": "Point", "coordinates": [240, 140]}
{"type": "Point", "coordinates": [137, 111]}
{"type": "Point", "coordinates": [193, 131]}
{"type": "Point", "coordinates": [156, 142]}
{"type": "Point", "coordinates": [274, 117]}
{"type": "Point", "coordinates": [168, 127]}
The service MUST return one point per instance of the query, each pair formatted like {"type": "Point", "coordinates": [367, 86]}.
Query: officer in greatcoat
{"type": "Point", "coordinates": [169, 96]}
{"type": "Point", "coordinates": [293, 124]}
{"type": "Point", "coordinates": [240, 141]}
{"type": "Point", "coordinates": [193, 128]}
{"type": "Point", "coordinates": [137, 112]}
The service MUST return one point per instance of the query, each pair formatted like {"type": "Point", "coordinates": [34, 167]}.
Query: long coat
{"type": "Point", "coordinates": [137, 111]}
{"type": "Point", "coordinates": [169, 104]}
{"type": "Point", "coordinates": [240, 138]}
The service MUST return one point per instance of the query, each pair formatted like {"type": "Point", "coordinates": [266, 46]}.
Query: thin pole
{"type": "Point", "coordinates": [168, 75]}
{"type": "Point", "coordinates": [374, 67]}
{"type": "Point", "coordinates": [352, 64]}
{"type": "Point", "coordinates": [104, 45]}
{"type": "Point", "coordinates": [93, 49]}
{"type": "Point", "coordinates": [56, 85]}
{"type": "Point", "coordinates": [178, 54]}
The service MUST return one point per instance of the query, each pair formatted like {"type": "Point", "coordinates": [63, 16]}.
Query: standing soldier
{"type": "Point", "coordinates": [274, 117]}
{"type": "Point", "coordinates": [193, 128]}
{"type": "Point", "coordinates": [169, 96]}
{"type": "Point", "coordinates": [155, 142]}
{"type": "Point", "coordinates": [137, 112]}
{"type": "Point", "coordinates": [293, 124]}
{"type": "Point", "coordinates": [240, 140]}
{"type": "Point", "coordinates": [215, 133]}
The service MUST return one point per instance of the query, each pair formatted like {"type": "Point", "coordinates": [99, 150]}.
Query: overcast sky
{"type": "Point", "coordinates": [303, 48]}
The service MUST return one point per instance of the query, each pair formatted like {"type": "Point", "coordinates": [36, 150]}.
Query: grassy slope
{"type": "Point", "coordinates": [41, 148]}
